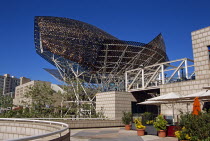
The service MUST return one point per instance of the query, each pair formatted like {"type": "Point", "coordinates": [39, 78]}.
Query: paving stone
{"type": "Point", "coordinates": [113, 134]}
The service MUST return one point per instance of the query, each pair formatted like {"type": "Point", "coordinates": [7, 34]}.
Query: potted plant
{"type": "Point", "coordinates": [126, 119]}
{"type": "Point", "coordinates": [150, 129]}
{"type": "Point", "coordinates": [160, 125]}
{"type": "Point", "coordinates": [182, 134]}
{"type": "Point", "coordinates": [146, 116]}
{"type": "Point", "coordinates": [139, 127]}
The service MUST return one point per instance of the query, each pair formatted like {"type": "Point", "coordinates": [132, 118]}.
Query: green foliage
{"type": "Point", "coordinates": [182, 134]}
{"type": "Point", "coordinates": [1, 91]}
{"type": "Point", "coordinates": [6, 101]}
{"type": "Point", "coordinates": [147, 116]}
{"type": "Point", "coordinates": [149, 122]}
{"type": "Point", "coordinates": [160, 123]}
{"type": "Point", "coordinates": [29, 113]}
{"type": "Point", "coordinates": [197, 126]}
{"type": "Point", "coordinates": [38, 103]}
{"type": "Point", "coordinates": [127, 118]}
{"type": "Point", "coordinates": [40, 100]}
{"type": "Point", "coordinates": [41, 96]}
{"type": "Point", "coordinates": [138, 124]}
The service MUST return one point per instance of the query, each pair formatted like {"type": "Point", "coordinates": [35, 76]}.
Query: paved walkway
{"type": "Point", "coordinates": [113, 134]}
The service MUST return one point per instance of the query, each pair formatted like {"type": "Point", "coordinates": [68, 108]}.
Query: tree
{"type": "Point", "coordinates": [5, 101]}
{"type": "Point", "coordinates": [40, 98]}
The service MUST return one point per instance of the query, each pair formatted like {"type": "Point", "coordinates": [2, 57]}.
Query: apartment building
{"type": "Point", "coordinates": [8, 84]}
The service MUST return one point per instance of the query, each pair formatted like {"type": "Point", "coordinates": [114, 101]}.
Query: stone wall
{"type": "Point", "coordinates": [200, 41]}
{"type": "Point", "coordinates": [91, 123]}
{"type": "Point", "coordinates": [112, 104]}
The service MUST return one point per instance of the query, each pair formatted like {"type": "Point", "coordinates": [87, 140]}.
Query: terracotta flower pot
{"type": "Point", "coordinates": [140, 132]}
{"type": "Point", "coordinates": [162, 133]}
{"type": "Point", "coordinates": [127, 127]}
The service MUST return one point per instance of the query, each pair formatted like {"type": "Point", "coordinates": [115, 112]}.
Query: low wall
{"type": "Point", "coordinates": [92, 123]}
{"type": "Point", "coordinates": [87, 122]}
{"type": "Point", "coordinates": [23, 129]}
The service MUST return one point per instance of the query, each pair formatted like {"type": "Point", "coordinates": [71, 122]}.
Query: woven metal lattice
{"type": "Point", "coordinates": [93, 49]}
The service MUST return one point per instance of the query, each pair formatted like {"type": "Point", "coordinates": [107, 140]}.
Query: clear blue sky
{"type": "Point", "coordinates": [134, 20]}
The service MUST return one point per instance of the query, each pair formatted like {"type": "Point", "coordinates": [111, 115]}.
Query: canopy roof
{"type": "Point", "coordinates": [168, 102]}
{"type": "Point", "coordinates": [167, 97]}
{"type": "Point", "coordinates": [152, 102]}
{"type": "Point", "coordinates": [202, 95]}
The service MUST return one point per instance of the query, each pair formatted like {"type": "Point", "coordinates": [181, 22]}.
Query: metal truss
{"type": "Point", "coordinates": [150, 77]}
{"type": "Point", "coordinates": [72, 75]}
{"type": "Point", "coordinates": [67, 75]}
{"type": "Point", "coordinates": [91, 56]}
{"type": "Point", "coordinates": [97, 54]}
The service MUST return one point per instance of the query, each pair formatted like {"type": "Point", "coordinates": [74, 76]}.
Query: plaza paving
{"type": "Point", "coordinates": [113, 134]}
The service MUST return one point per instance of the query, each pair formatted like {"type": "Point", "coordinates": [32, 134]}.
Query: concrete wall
{"type": "Point", "coordinates": [24, 80]}
{"type": "Point", "coordinates": [200, 41]}
{"type": "Point", "coordinates": [14, 130]}
{"type": "Point", "coordinates": [112, 104]}
{"type": "Point", "coordinates": [91, 123]}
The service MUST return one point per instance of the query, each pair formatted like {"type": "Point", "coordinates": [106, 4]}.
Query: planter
{"type": "Point", "coordinates": [140, 132]}
{"type": "Point", "coordinates": [127, 127]}
{"type": "Point", "coordinates": [171, 131]}
{"type": "Point", "coordinates": [150, 130]}
{"type": "Point", "coordinates": [162, 133]}
{"type": "Point", "coordinates": [133, 127]}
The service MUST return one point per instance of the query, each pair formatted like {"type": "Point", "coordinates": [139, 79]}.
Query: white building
{"type": "Point", "coordinates": [22, 89]}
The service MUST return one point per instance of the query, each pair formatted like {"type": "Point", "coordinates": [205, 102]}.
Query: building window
{"type": "Point", "coordinates": [208, 49]}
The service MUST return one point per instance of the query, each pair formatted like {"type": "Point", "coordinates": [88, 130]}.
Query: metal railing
{"type": "Point", "coordinates": [66, 127]}
{"type": "Point", "coordinates": [150, 77]}
{"type": "Point", "coordinates": [68, 118]}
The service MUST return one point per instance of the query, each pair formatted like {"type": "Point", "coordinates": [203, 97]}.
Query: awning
{"type": "Point", "coordinates": [167, 97]}
{"type": "Point", "coordinates": [202, 95]}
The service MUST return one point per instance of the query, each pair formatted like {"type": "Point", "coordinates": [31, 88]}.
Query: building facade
{"type": "Point", "coordinates": [8, 84]}
{"type": "Point", "coordinates": [21, 91]}
{"type": "Point", "coordinates": [201, 53]}
{"type": "Point", "coordinates": [200, 46]}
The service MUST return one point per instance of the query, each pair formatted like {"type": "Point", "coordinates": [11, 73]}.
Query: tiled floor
{"type": "Point", "coordinates": [113, 134]}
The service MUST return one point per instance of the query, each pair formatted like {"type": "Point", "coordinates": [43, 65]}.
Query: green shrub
{"type": "Point", "coordinates": [127, 118]}
{"type": "Point", "coordinates": [147, 116]}
{"type": "Point", "coordinates": [160, 123]}
{"type": "Point", "coordinates": [197, 126]}
{"type": "Point", "coordinates": [182, 134]}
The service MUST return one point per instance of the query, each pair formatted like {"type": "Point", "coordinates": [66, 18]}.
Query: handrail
{"type": "Point", "coordinates": [163, 63]}
{"type": "Point", "coordinates": [71, 118]}
{"type": "Point", "coordinates": [152, 76]}
{"type": "Point", "coordinates": [37, 121]}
